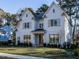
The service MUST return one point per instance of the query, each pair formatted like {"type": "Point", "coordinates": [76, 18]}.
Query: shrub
{"type": "Point", "coordinates": [55, 52]}
{"type": "Point", "coordinates": [48, 45]}
{"type": "Point", "coordinates": [73, 46]}
{"type": "Point", "coordinates": [68, 45]}
{"type": "Point", "coordinates": [76, 52]}
{"type": "Point", "coordinates": [44, 44]}
{"type": "Point", "coordinates": [30, 44]}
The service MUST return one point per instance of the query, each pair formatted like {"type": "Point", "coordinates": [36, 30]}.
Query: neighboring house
{"type": "Point", "coordinates": [51, 27]}
{"type": "Point", "coordinates": [5, 31]}
{"type": "Point", "coordinates": [2, 21]}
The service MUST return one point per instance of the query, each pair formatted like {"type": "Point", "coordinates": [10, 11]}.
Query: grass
{"type": "Point", "coordinates": [39, 52]}
{"type": "Point", "coordinates": [54, 53]}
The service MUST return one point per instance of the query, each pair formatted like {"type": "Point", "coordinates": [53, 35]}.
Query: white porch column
{"type": "Point", "coordinates": [33, 39]}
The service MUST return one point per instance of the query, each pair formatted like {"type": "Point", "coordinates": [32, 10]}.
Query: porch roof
{"type": "Point", "coordinates": [39, 31]}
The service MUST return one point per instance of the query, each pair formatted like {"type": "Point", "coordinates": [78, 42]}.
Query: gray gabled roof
{"type": "Point", "coordinates": [38, 16]}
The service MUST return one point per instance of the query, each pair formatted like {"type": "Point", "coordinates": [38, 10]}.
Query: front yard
{"type": "Point", "coordinates": [39, 52]}
{"type": "Point", "coordinates": [55, 53]}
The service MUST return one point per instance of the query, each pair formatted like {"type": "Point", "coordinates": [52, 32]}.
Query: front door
{"type": "Point", "coordinates": [36, 40]}
{"type": "Point", "coordinates": [39, 39]}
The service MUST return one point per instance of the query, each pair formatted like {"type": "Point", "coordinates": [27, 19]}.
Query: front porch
{"type": "Point", "coordinates": [39, 37]}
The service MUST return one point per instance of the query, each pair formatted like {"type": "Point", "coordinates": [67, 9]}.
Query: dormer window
{"type": "Point", "coordinates": [41, 25]}
{"type": "Point", "coordinates": [53, 10]}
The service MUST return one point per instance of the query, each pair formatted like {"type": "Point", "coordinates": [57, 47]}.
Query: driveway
{"type": "Point", "coordinates": [19, 56]}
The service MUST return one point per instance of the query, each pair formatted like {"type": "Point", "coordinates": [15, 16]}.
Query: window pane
{"type": "Point", "coordinates": [53, 10]}
{"type": "Point", "coordinates": [55, 23]}
{"type": "Point", "coordinates": [27, 38]}
{"type": "Point", "coordinates": [41, 26]}
{"type": "Point", "coordinates": [51, 22]}
{"type": "Point", "coordinates": [54, 39]}
{"type": "Point", "coordinates": [24, 25]}
{"type": "Point", "coordinates": [27, 25]}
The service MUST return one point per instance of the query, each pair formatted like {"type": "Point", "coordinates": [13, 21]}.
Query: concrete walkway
{"type": "Point", "coordinates": [19, 56]}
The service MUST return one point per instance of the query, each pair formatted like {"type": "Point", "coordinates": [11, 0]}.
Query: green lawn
{"type": "Point", "coordinates": [39, 52]}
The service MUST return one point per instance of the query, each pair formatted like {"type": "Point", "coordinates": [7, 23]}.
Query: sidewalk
{"type": "Point", "coordinates": [19, 56]}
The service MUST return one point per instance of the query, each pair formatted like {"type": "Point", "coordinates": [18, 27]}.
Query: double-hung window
{"type": "Point", "coordinates": [53, 22]}
{"type": "Point", "coordinates": [54, 38]}
{"type": "Point", "coordinates": [26, 25]}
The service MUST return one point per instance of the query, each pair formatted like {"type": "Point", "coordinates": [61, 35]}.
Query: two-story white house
{"type": "Point", "coordinates": [51, 27]}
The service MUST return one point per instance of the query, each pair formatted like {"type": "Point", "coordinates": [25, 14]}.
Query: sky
{"type": "Point", "coordinates": [13, 6]}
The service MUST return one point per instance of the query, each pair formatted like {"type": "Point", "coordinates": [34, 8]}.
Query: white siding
{"type": "Point", "coordinates": [63, 29]}
{"type": "Point", "coordinates": [55, 29]}
{"type": "Point", "coordinates": [25, 31]}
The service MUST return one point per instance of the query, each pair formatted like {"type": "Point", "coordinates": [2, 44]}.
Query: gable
{"type": "Point", "coordinates": [28, 14]}
{"type": "Point", "coordinates": [54, 10]}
